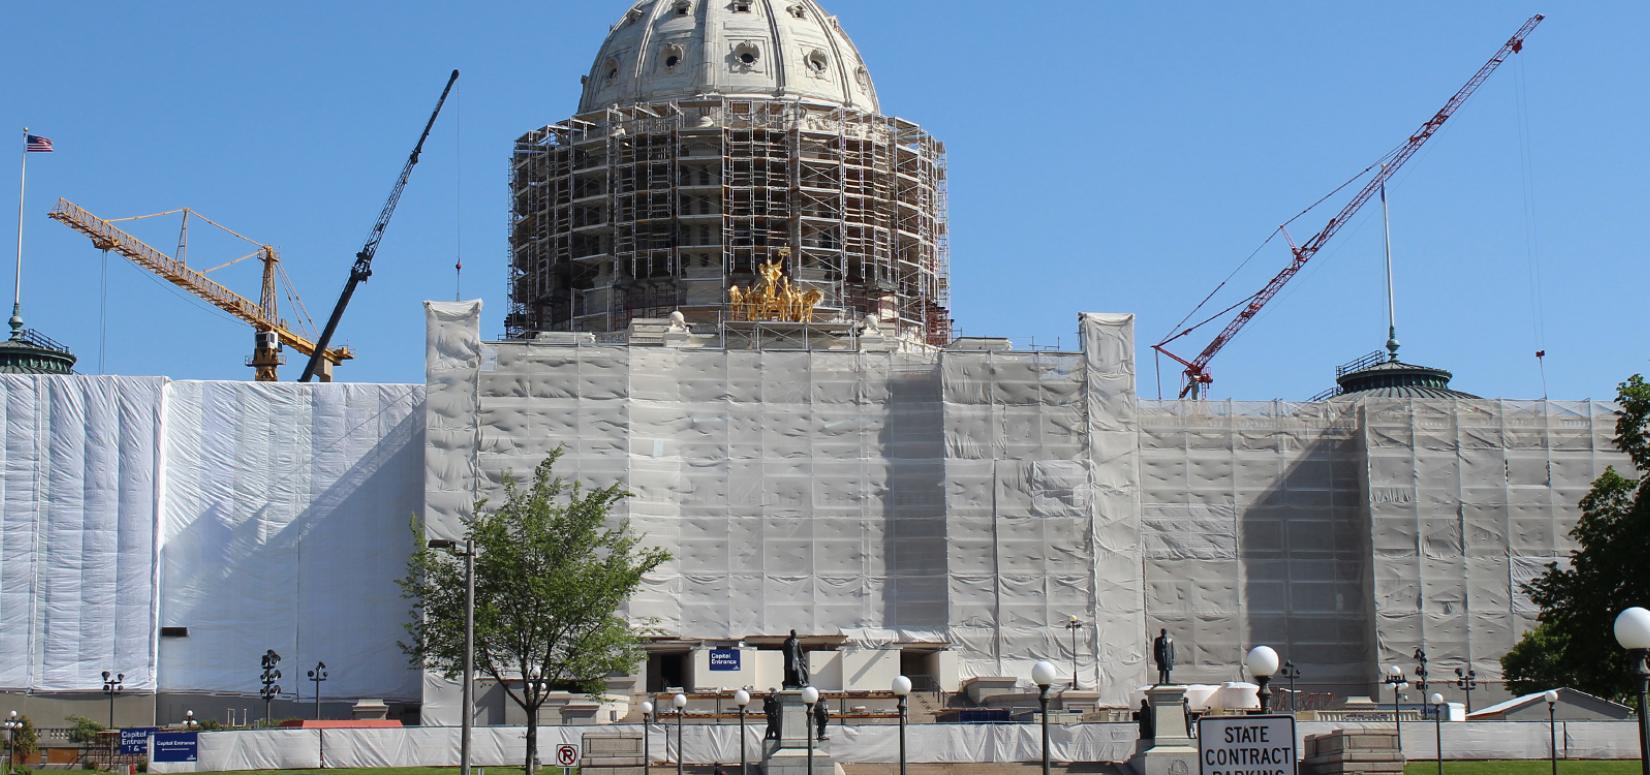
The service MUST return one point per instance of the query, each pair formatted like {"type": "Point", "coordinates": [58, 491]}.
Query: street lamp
{"type": "Point", "coordinates": [1466, 682]}
{"type": "Point", "coordinates": [1420, 657]}
{"type": "Point", "coordinates": [1438, 727]}
{"type": "Point", "coordinates": [810, 696]}
{"type": "Point", "coordinates": [1042, 674]}
{"type": "Point", "coordinates": [1552, 725]}
{"type": "Point", "coordinates": [1291, 674]}
{"type": "Point", "coordinates": [680, 703]}
{"type": "Point", "coordinates": [647, 718]}
{"type": "Point", "coordinates": [189, 721]}
{"type": "Point", "coordinates": [13, 723]}
{"type": "Point", "coordinates": [1263, 663]}
{"type": "Point", "coordinates": [111, 687]}
{"type": "Point", "coordinates": [902, 690]}
{"type": "Point", "coordinates": [1074, 625]}
{"type": "Point", "coordinates": [1395, 678]}
{"type": "Point", "coordinates": [465, 699]}
{"type": "Point", "coordinates": [268, 678]}
{"type": "Point", "coordinates": [742, 698]}
{"type": "Point", "coordinates": [1633, 633]}
{"type": "Point", "coordinates": [318, 675]}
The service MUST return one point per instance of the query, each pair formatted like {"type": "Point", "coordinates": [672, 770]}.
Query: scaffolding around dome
{"type": "Point", "coordinates": [639, 211]}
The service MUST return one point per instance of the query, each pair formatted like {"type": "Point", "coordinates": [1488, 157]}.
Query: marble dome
{"type": "Point", "coordinates": [662, 50]}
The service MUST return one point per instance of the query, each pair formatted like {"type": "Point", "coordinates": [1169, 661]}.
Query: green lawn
{"type": "Point", "coordinates": [1537, 767]}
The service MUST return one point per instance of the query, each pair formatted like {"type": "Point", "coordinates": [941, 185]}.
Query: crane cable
{"type": "Point", "coordinates": [1532, 251]}
{"type": "Point", "coordinates": [458, 196]}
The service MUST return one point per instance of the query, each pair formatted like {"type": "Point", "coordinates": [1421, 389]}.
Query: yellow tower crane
{"type": "Point", "coordinates": [271, 332]}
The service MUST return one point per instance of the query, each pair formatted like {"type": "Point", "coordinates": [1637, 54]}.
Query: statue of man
{"type": "Point", "coordinates": [822, 717]}
{"type": "Point", "coordinates": [796, 663]}
{"type": "Point", "coordinates": [1163, 655]}
{"type": "Point", "coordinates": [770, 709]}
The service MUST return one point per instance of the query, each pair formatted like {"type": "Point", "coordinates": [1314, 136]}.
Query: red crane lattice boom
{"type": "Point", "coordinates": [1197, 369]}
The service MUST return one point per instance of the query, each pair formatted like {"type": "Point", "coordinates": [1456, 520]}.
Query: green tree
{"type": "Point", "coordinates": [83, 730]}
{"type": "Point", "coordinates": [25, 742]}
{"type": "Point", "coordinates": [552, 572]}
{"type": "Point", "coordinates": [1573, 645]}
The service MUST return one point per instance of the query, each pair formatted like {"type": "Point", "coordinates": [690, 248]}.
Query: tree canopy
{"type": "Point", "coordinates": [1573, 645]}
{"type": "Point", "coordinates": [552, 572]}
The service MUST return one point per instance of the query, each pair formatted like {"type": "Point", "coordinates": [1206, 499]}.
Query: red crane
{"type": "Point", "coordinates": [1196, 373]}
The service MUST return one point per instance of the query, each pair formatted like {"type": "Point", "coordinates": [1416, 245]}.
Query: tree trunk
{"type": "Point", "coordinates": [532, 741]}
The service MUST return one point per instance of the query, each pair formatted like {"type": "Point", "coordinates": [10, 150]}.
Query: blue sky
{"type": "Point", "coordinates": [1104, 156]}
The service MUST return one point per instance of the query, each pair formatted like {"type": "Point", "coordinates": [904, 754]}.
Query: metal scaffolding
{"type": "Point", "coordinates": [640, 211]}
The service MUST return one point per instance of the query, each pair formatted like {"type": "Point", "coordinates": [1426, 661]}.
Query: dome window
{"type": "Point", "coordinates": [683, 7]}
{"type": "Point", "coordinates": [863, 76]}
{"type": "Point", "coordinates": [741, 6]}
{"type": "Point", "coordinates": [817, 62]}
{"type": "Point", "coordinates": [612, 66]}
{"type": "Point", "coordinates": [672, 56]}
{"type": "Point", "coordinates": [747, 54]}
{"type": "Point", "coordinates": [797, 10]}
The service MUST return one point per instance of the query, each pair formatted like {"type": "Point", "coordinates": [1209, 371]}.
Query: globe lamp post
{"type": "Point", "coordinates": [13, 723]}
{"type": "Point", "coordinates": [810, 696]}
{"type": "Point", "coordinates": [1395, 679]}
{"type": "Point", "coordinates": [1263, 664]}
{"type": "Point", "coordinates": [1633, 633]}
{"type": "Point", "coordinates": [1437, 701]}
{"type": "Point", "coordinates": [902, 690]}
{"type": "Point", "coordinates": [680, 703]}
{"type": "Point", "coordinates": [742, 698]}
{"type": "Point", "coordinates": [647, 719]}
{"type": "Point", "coordinates": [1042, 674]}
{"type": "Point", "coordinates": [1552, 726]}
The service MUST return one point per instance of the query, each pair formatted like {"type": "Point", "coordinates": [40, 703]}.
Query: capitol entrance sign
{"type": "Point", "coordinates": [1247, 745]}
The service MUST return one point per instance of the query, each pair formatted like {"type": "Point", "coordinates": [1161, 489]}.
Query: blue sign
{"type": "Point", "coordinates": [724, 660]}
{"type": "Point", "coordinates": [135, 741]}
{"type": "Point", "coordinates": [176, 746]}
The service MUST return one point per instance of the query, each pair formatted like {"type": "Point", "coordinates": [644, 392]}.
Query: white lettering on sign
{"type": "Point", "coordinates": [1247, 745]}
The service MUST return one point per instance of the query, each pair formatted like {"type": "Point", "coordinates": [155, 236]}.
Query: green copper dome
{"type": "Point", "coordinates": [1396, 379]}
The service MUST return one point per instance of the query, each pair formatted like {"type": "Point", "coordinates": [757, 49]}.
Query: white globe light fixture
{"type": "Point", "coordinates": [902, 686]}
{"type": "Point", "coordinates": [1042, 673]}
{"type": "Point", "coordinates": [1436, 699]}
{"type": "Point", "coordinates": [647, 709]}
{"type": "Point", "coordinates": [1633, 628]}
{"type": "Point", "coordinates": [1551, 696]}
{"type": "Point", "coordinates": [1263, 664]}
{"type": "Point", "coordinates": [680, 701]}
{"type": "Point", "coordinates": [1394, 670]}
{"type": "Point", "coordinates": [810, 695]}
{"type": "Point", "coordinates": [741, 698]}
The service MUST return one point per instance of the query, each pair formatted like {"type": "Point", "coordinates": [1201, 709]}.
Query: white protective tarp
{"type": "Point", "coordinates": [257, 516]}
{"type": "Point", "coordinates": [77, 572]}
{"type": "Point", "coordinates": [286, 520]}
{"type": "Point", "coordinates": [945, 494]}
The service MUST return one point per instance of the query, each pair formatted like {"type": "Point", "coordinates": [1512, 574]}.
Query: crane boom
{"type": "Point", "coordinates": [261, 314]}
{"type": "Point", "coordinates": [1197, 369]}
{"type": "Point", "coordinates": [362, 268]}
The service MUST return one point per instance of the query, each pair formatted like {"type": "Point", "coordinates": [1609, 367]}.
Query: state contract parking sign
{"type": "Point", "coordinates": [1246, 745]}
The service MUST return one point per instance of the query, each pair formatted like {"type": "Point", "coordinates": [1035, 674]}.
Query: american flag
{"type": "Point", "coordinates": [37, 144]}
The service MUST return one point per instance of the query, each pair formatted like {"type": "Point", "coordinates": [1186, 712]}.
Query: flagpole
{"type": "Point", "coordinates": [17, 281]}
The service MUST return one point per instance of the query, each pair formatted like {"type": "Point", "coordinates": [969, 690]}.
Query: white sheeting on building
{"type": "Point", "coordinates": [982, 498]}
{"type": "Point", "coordinates": [826, 492]}
{"type": "Point", "coordinates": [77, 537]}
{"type": "Point", "coordinates": [257, 515]}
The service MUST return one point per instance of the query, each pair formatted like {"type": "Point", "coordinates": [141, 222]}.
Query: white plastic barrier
{"type": "Point", "coordinates": [925, 743]}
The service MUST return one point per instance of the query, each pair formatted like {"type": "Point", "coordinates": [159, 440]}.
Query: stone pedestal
{"type": "Point", "coordinates": [1173, 751]}
{"type": "Point", "coordinates": [789, 754]}
{"type": "Point", "coordinates": [1366, 751]}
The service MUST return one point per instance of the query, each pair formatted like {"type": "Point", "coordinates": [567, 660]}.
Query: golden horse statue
{"type": "Point", "coordinates": [776, 299]}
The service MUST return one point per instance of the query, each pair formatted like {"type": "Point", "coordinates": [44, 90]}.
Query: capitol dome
{"type": "Point", "coordinates": [663, 50]}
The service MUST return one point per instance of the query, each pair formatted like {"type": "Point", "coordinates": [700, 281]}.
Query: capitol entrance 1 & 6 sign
{"type": "Point", "coordinates": [1246, 745]}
